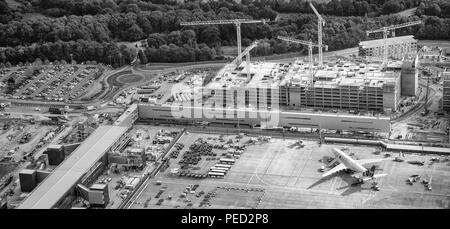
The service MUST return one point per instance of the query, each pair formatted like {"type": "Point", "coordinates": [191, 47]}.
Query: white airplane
{"type": "Point", "coordinates": [346, 162]}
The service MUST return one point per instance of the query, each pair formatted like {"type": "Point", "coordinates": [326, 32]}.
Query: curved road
{"type": "Point", "coordinates": [420, 106]}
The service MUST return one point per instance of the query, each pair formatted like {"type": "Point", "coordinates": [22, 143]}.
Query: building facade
{"type": "Point", "coordinates": [446, 90]}
{"type": "Point", "coordinates": [397, 47]}
{"type": "Point", "coordinates": [267, 118]}
{"type": "Point", "coordinates": [352, 94]}
{"type": "Point", "coordinates": [410, 77]}
{"type": "Point", "coordinates": [346, 86]}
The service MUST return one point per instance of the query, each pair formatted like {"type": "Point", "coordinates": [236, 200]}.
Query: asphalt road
{"type": "Point", "coordinates": [421, 106]}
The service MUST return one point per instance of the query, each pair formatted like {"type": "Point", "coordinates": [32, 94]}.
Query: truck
{"type": "Point", "coordinates": [322, 168]}
{"type": "Point", "coordinates": [420, 163]}
{"type": "Point", "coordinates": [90, 108]}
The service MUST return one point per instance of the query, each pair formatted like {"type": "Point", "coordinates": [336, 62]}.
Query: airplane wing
{"type": "Point", "coordinates": [374, 177]}
{"type": "Point", "coordinates": [369, 161]}
{"type": "Point", "coordinates": [334, 170]}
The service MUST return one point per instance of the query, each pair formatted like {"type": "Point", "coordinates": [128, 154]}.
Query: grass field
{"type": "Point", "coordinates": [443, 44]}
{"type": "Point", "coordinates": [130, 78]}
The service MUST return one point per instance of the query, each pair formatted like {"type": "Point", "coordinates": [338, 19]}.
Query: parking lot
{"type": "Point", "coordinates": [20, 138]}
{"type": "Point", "coordinates": [48, 82]}
{"type": "Point", "coordinates": [280, 174]}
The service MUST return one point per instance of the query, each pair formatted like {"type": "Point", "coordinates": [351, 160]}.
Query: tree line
{"type": "Point", "coordinates": [79, 51]}
{"type": "Point", "coordinates": [343, 7]}
{"type": "Point", "coordinates": [438, 8]}
{"type": "Point", "coordinates": [91, 30]}
{"type": "Point", "coordinates": [106, 27]}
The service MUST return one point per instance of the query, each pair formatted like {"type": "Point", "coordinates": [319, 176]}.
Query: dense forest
{"type": "Point", "coordinates": [345, 7]}
{"type": "Point", "coordinates": [92, 29]}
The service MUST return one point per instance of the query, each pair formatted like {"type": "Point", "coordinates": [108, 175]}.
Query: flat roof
{"type": "Point", "coordinates": [283, 111]}
{"type": "Point", "coordinates": [424, 149]}
{"type": "Point", "coordinates": [27, 171]}
{"type": "Point", "coordinates": [66, 175]}
{"type": "Point", "coordinates": [389, 41]}
{"type": "Point", "coordinates": [273, 75]}
{"type": "Point", "coordinates": [126, 114]}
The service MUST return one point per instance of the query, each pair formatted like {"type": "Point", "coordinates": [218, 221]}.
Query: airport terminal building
{"type": "Point", "coordinates": [261, 118]}
{"type": "Point", "coordinates": [89, 159]}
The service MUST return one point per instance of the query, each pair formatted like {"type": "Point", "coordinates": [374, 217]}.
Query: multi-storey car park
{"type": "Point", "coordinates": [338, 86]}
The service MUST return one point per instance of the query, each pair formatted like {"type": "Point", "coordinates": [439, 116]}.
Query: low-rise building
{"type": "Point", "coordinates": [397, 47]}
{"type": "Point", "coordinates": [430, 54]}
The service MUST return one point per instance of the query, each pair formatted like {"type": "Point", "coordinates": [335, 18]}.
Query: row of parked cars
{"type": "Point", "coordinates": [51, 83]}
{"type": "Point", "coordinates": [51, 92]}
{"type": "Point", "coordinates": [86, 78]}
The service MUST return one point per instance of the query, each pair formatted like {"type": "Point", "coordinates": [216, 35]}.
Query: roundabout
{"type": "Point", "coordinates": [124, 78]}
{"type": "Point", "coordinates": [129, 79]}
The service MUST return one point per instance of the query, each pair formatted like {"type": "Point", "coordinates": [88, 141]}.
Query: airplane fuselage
{"type": "Point", "coordinates": [348, 161]}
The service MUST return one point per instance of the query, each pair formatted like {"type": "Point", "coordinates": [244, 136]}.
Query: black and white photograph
{"type": "Point", "coordinates": [244, 106]}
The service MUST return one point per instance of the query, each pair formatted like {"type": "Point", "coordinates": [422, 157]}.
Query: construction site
{"type": "Point", "coordinates": [250, 134]}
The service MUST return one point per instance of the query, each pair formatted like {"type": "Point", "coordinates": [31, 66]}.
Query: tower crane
{"type": "Point", "coordinates": [236, 22]}
{"type": "Point", "coordinates": [320, 24]}
{"type": "Point", "coordinates": [391, 29]}
{"type": "Point", "coordinates": [246, 53]}
{"type": "Point", "coordinates": [310, 45]}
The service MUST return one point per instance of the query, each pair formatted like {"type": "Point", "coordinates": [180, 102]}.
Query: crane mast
{"type": "Point", "coordinates": [246, 53]}
{"type": "Point", "coordinates": [236, 22]}
{"type": "Point", "coordinates": [320, 24]}
{"type": "Point", "coordinates": [391, 29]}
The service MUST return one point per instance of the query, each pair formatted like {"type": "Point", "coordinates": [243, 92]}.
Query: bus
{"type": "Point", "coordinates": [218, 171]}
{"type": "Point", "coordinates": [227, 161]}
{"type": "Point", "coordinates": [216, 175]}
{"type": "Point", "coordinates": [219, 168]}
{"type": "Point", "coordinates": [223, 166]}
